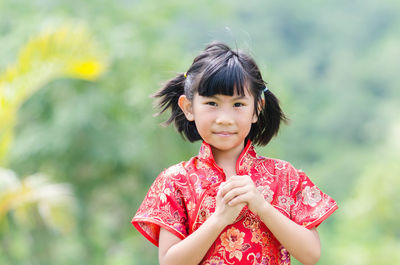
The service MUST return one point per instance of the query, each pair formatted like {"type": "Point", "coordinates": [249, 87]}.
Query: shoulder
{"type": "Point", "coordinates": [173, 173]}
{"type": "Point", "coordinates": [174, 170]}
{"type": "Point", "coordinates": [178, 172]}
{"type": "Point", "coordinates": [282, 169]}
{"type": "Point", "coordinates": [277, 165]}
{"type": "Point", "coordinates": [170, 180]}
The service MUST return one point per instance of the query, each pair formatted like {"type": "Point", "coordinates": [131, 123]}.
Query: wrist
{"type": "Point", "coordinates": [265, 209]}
{"type": "Point", "coordinates": [217, 221]}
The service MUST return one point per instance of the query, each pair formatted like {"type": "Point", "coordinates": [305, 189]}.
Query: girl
{"type": "Point", "coordinates": [227, 205]}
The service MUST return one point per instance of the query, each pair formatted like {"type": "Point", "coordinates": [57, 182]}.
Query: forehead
{"type": "Point", "coordinates": [235, 95]}
{"type": "Point", "coordinates": [221, 97]}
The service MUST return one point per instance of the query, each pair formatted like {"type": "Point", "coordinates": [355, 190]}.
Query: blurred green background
{"type": "Point", "coordinates": [79, 145]}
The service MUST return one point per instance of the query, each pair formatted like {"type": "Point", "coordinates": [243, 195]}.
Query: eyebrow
{"type": "Point", "coordinates": [235, 98]}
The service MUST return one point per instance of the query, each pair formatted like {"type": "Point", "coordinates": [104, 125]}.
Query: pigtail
{"type": "Point", "coordinates": [168, 99]}
{"type": "Point", "coordinates": [269, 120]}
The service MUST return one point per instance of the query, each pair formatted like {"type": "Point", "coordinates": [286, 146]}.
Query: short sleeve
{"type": "Point", "coordinates": [310, 205]}
{"type": "Point", "coordinates": [163, 207]}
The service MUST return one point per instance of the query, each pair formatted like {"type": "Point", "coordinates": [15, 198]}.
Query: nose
{"type": "Point", "coordinates": [224, 118]}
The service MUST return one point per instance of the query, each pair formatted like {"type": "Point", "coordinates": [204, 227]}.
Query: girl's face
{"type": "Point", "coordinates": [222, 121]}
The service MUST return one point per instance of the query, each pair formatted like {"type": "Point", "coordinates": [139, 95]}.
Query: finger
{"type": "Point", "coordinates": [234, 193]}
{"type": "Point", "coordinates": [219, 193]}
{"type": "Point", "coordinates": [236, 181]}
{"type": "Point", "coordinates": [242, 198]}
{"type": "Point", "coordinates": [230, 186]}
{"type": "Point", "coordinates": [242, 180]}
{"type": "Point", "coordinates": [237, 206]}
{"type": "Point", "coordinates": [239, 178]}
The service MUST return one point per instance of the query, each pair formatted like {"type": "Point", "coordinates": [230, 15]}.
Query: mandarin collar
{"type": "Point", "coordinates": [243, 164]}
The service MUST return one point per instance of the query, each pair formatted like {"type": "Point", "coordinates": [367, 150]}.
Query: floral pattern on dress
{"type": "Point", "coordinates": [182, 198]}
{"type": "Point", "coordinates": [232, 241]}
{"type": "Point", "coordinates": [266, 192]}
{"type": "Point", "coordinates": [285, 256]}
{"type": "Point", "coordinates": [214, 261]}
{"type": "Point", "coordinates": [163, 196]}
{"type": "Point", "coordinates": [285, 201]}
{"type": "Point", "coordinates": [311, 196]}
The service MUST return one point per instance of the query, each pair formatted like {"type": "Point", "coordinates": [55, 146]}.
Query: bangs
{"type": "Point", "coordinates": [226, 77]}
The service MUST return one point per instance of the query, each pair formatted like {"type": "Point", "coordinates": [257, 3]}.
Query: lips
{"type": "Point", "coordinates": [224, 133]}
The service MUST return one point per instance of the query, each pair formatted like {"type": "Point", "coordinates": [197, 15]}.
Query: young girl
{"type": "Point", "coordinates": [227, 205]}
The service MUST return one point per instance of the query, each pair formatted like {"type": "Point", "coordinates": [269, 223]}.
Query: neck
{"type": "Point", "coordinates": [227, 159]}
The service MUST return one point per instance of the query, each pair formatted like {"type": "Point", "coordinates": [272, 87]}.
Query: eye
{"type": "Point", "coordinates": [238, 104]}
{"type": "Point", "coordinates": [211, 103]}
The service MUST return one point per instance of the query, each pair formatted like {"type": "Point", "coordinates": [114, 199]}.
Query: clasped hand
{"type": "Point", "coordinates": [234, 194]}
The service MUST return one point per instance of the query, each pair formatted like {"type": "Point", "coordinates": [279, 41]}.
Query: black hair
{"type": "Point", "coordinates": [220, 70]}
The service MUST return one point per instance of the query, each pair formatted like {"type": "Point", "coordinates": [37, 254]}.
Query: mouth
{"type": "Point", "coordinates": [224, 133]}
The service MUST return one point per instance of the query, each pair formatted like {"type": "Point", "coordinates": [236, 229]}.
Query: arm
{"type": "Point", "coordinates": [301, 242]}
{"type": "Point", "coordinates": [191, 250]}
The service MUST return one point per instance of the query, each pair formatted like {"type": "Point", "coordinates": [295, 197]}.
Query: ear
{"type": "Point", "coordinates": [259, 109]}
{"type": "Point", "coordinates": [186, 106]}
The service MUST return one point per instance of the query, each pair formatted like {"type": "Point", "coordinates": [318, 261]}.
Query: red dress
{"type": "Point", "coordinates": [183, 197]}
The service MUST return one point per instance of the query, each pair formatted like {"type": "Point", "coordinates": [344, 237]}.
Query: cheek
{"type": "Point", "coordinates": [202, 122]}
{"type": "Point", "coordinates": [248, 128]}
{"type": "Point", "coordinates": [246, 123]}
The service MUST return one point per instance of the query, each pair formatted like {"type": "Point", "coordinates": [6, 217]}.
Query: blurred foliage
{"type": "Point", "coordinates": [369, 223]}
{"type": "Point", "coordinates": [65, 52]}
{"type": "Point", "coordinates": [54, 202]}
{"type": "Point", "coordinates": [333, 64]}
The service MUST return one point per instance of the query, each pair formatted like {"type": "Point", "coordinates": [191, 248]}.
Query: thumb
{"type": "Point", "coordinates": [220, 188]}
